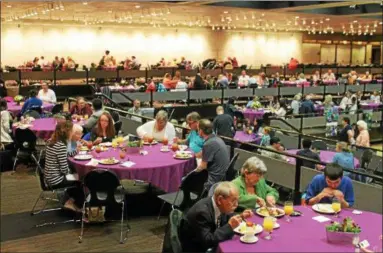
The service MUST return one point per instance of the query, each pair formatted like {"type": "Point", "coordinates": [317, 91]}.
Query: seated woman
{"type": "Point", "coordinates": [375, 97]}
{"type": "Point", "coordinates": [5, 126]}
{"type": "Point", "coordinates": [81, 108]}
{"type": "Point", "coordinates": [56, 166]}
{"type": "Point", "coordinates": [75, 140]}
{"type": "Point", "coordinates": [159, 128]}
{"type": "Point", "coordinates": [104, 131]}
{"type": "Point", "coordinates": [252, 187]}
{"type": "Point", "coordinates": [32, 102]}
{"type": "Point", "coordinates": [168, 82]}
{"type": "Point", "coordinates": [281, 112]}
{"type": "Point", "coordinates": [257, 126]}
{"type": "Point", "coordinates": [344, 157]}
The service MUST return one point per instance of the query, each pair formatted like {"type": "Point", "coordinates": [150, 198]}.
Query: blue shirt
{"type": "Point", "coordinates": [195, 141]}
{"type": "Point", "coordinates": [32, 102]}
{"type": "Point", "coordinates": [265, 140]}
{"type": "Point", "coordinates": [344, 159]}
{"type": "Point", "coordinates": [319, 183]}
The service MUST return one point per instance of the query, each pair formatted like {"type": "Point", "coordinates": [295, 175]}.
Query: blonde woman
{"type": "Point", "coordinates": [296, 103]}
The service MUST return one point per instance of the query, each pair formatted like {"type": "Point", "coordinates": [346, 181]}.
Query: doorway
{"type": "Point", "coordinates": [375, 55]}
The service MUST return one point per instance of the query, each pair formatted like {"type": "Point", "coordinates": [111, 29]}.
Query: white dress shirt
{"type": "Point", "coordinates": [329, 77]}
{"type": "Point", "coordinates": [344, 102]}
{"type": "Point", "coordinates": [148, 128]}
{"type": "Point", "coordinates": [217, 212]}
{"type": "Point", "coordinates": [5, 127]}
{"type": "Point", "coordinates": [49, 96]}
{"type": "Point", "coordinates": [243, 80]}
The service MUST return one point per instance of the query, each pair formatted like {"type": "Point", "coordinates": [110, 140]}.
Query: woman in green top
{"type": "Point", "coordinates": [252, 186]}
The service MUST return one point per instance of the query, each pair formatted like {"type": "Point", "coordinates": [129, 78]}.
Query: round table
{"type": "Point", "coordinates": [244, 137]}
{"type": "Point", "coordinates": [42, 128]}
{"type": "Point", "coordinates": [324, 155]}
{"type": "Point", "coordinates": [303, 234]}
{"type": "Point", "coordinates": [320, 108]}
{"type": "Point", "coordinates": [370, 105]}
{"type": "Point", "coordinates": [289, 83]}
{"type": "Point", "coordinates": [158, 168]}
{"type": "Point", "coordinates": [252, 114]}
{"type": "Point", "coordinates": [15, 109]}
{"type": "Point", "coordinates": [330, 82]}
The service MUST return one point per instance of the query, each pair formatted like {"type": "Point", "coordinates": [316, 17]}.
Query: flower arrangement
{"type": "Point", "coordinates": [133, 146]}
{"type": "Point", "coordinates": [347, 226]}
{"type": "Point", "coordinates": [256, 105]}
{"type": "Point", "coordinates": [18, 99]}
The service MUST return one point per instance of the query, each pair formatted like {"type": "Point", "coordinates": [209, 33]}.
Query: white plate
{"type": "Point", "coordinates": [83, 157]}
{"type": "Point", "coordinates": [165, 150]}
{"type": "Point", "coordinates": [323, 208]}
{"type": "Point", "coordinates": [153, 143]}
{"type": "Point", "coordinates": [105, 144]}
{"type": "Point", "coordinates": [282, 212]}
{"type": "Point", "coordinates": [103, 162]}
{"type": "Point", "coordinates": [254, 240]}
{"type": "Point", "coordinates": [258, 228]}
{"type": "Point", "coordinates": [182, 158]}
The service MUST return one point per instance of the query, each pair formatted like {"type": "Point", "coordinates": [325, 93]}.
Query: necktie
{"type": "Point", "coordinates": [218, 221]}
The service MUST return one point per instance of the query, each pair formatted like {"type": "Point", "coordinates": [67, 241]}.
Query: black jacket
{"type": "Point", "coordinates": [199, 230]}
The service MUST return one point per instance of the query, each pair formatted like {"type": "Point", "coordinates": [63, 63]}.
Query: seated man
{"type": "Point", "coordinates": [331, 184]}
{"type": "Point", "coordinates": [136, 109]}
{"type": "Point", "coordinates": [97, 111]}
{"type": "Point", "coordinates": [307, 152]}
{"type": "Point", "coordinates": [275, 144]}
{"type": "Point", "coordinates": [215, 156]}
{"type": "Point", "coordinates": [211, 220]}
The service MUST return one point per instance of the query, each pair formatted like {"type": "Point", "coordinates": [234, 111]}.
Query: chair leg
{"type": "Point", "coordinates": [14, 163]}
{"type": "Point", "coordinates": [162, 207]}
{"type": "Point", "coordinates": [37, 200]}
{"type": "Point", "coordinates": [82, 223]}
{"type": "Point", "coordinates": [43, 210]}
{"type": "Point", "coordinates": [122, 224]}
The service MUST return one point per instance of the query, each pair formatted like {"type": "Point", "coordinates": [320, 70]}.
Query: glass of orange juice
{"type": "Point", "coordinates": [86, 116]}
{"type": "Point", "coordinates": [268, 225]}
{"type": "Point", "coordinates": [336, 207]}
{"type": "Point", "coordinates": [289, 209]}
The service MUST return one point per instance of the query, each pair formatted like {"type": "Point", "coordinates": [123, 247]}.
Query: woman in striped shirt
{"type": "Point", "coordinates": [56, 166]}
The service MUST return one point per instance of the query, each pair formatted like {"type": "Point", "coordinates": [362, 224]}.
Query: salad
{"type": "Point", "coordinates": [347, 226]}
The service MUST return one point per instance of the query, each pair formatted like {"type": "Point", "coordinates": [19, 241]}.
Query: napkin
{"type": "Point", "coordinates": [71, 177]}
{"type": "Point", "coordinates": [321, 218]}
{"type": "Point", "coordinates": [143, 152]}
{"type": "Point", "coordinates": [357, 212]}
{"type": "Point", "coordinates": [128, 164]}
{"type": "Point", "coordinates": [92, 162]}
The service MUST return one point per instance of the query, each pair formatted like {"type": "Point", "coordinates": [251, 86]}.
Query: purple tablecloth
{"type": "Point", "coordinates": [320, 109]}
{"type": "Point", "coordinates": [15, 109]}
{"type": "Point", "coordinates": [43, 128]}
{"type": "Point", "coordinates": [158, 168]}
{"type": "Point", "coordinates": [303, 234]}
{"type": "Point", "coordinates": [289, 83]}
{"type": "Point", "coordinates": [252, 114]}
{"type": "Point", "coordinates": [325, 156]}
{"type": "Point", "coordinates": [370, 106]}
{"type": "Point", "coordinates": [330, 82]}
{"type": "Point", "coordinates": [244, 137]}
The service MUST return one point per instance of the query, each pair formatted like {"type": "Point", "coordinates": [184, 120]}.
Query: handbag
{"type": "Point", "coordinates": [96, 214]}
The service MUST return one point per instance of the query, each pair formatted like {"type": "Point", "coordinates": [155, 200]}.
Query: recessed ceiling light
{"type": "Point", "coordinates": [355, 21]}
{"type": "Point", "coordinates": [327, 19]}
{"type": "Point", "coordinates": [297, 17]}
{"type": "Point", "coordinates": [85, 3]}
{"type": "Point", "coordinates": [9, 6]}
{"type": "Point", "coordinates": [137, 6]}
{"type": "Point", "coordinates": [226, 12]}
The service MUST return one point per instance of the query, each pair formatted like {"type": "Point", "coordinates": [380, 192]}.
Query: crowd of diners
{"type": "Point", "coordinates": [199, 230]}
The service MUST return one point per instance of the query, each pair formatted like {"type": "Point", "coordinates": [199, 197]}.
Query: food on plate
{"type": "Point", "coordinates": [326, 208]}
{"type": "Point", "coordinates": [265, 211]}
{"type": "Point", "coordinates": [249, 224]}
{"type": "Point", "coordinates": [110, 160]}
{"type": "Point", "coordinates": [183, 154]}
{"type": "Point", "coordinates": [84, 148]}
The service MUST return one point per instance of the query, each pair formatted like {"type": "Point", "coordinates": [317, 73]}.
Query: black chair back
{"type": "Point", "coordinates": [40, 174]}
{"type": "Point", "coordinates": [194, 182]}
{"type": "Point", "coordinates": [319, 145]}
{"type": "Point", "coordinates": [115, 116]}
{"type": "Point", "coordinates": [102, 185]}
{"type": "Point", "coordinates": [366, 158]}
{"type": "Point", "coordinates": [25, 139]}
{"type": "Point", "coordinates": [231, 173]}
{"type": "Point", "coordinates": [58, 108]}
{"type": "Point", "coordinates": [117, 126]}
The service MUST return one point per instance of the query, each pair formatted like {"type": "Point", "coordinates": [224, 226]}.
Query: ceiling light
{"type": "Point", "coordinates": [9, 6]}
{"type": "Point", "coordinates": [312, 22]}
{"type": "Point", "coordinates": [137, 6]}
{"type": "Point", "coordinates": [244, 17]}
{"type": "Point", "coordinates": [225, 12]}
{"type": "Point", "coordinates": [297, 17]}
{"type": "Point", "coordinates": [85, 3]}
{"type": "Point", "coordinates": [355, 21]}
{"type": "Point", "coordinates": [263, 14]}
{"type": "Point", "coordinates": [380, 23]}
{"type": "Point", "coordinates": [327, 19]}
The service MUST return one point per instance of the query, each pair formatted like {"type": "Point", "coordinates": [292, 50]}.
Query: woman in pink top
{"type": "Point", "coordinates": [363, 138]}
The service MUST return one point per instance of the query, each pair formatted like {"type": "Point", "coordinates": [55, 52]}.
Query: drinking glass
{"type": "Point", "coordinates": [289, 209]}
{"type": "Point", "coordinates": [98, 151]}
{"type": "Point", "coordinates": [114, 144]}
{"type": "Point", "coordinates": [336, 207]}
{"type": "Point", "coordinates": [122, 155]}
{"type": "Point", "coordinates": [268, 225]}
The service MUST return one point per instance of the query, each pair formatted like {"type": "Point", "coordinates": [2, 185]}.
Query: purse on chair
{"type": "Point", "coordinates": [96, 214]}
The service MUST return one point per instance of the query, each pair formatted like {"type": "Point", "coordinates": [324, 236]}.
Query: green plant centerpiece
{"type": "Point", "coordinates": [133, 146]}
{"type": "Point", "coordinates": [343, 232]}
{"type": "Point", "coordinates": [18, 99]}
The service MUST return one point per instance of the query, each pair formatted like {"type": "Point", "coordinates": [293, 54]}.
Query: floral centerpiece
{"type": "Point", "coordinates": [256, 104]}
{"type": "Point", "coordinates": [133, 146]}
{"type": "Point", "coordinates": [18, 99]}
{"type": "Point", "coordinates": [342, 232]}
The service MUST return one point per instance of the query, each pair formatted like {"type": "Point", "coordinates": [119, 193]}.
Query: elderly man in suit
{"type": "Point", "coordinates": [211, 220]}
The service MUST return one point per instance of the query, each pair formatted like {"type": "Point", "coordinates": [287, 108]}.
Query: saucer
{"type": "Point", "coordinates": [252, 240]}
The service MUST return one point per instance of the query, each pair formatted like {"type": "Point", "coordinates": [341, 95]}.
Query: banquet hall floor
{"type": "Point", "coordinates": [18, 193]}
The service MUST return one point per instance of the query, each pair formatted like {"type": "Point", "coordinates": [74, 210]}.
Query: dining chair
{"type": "Point", "coordinates": [25, 143]}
